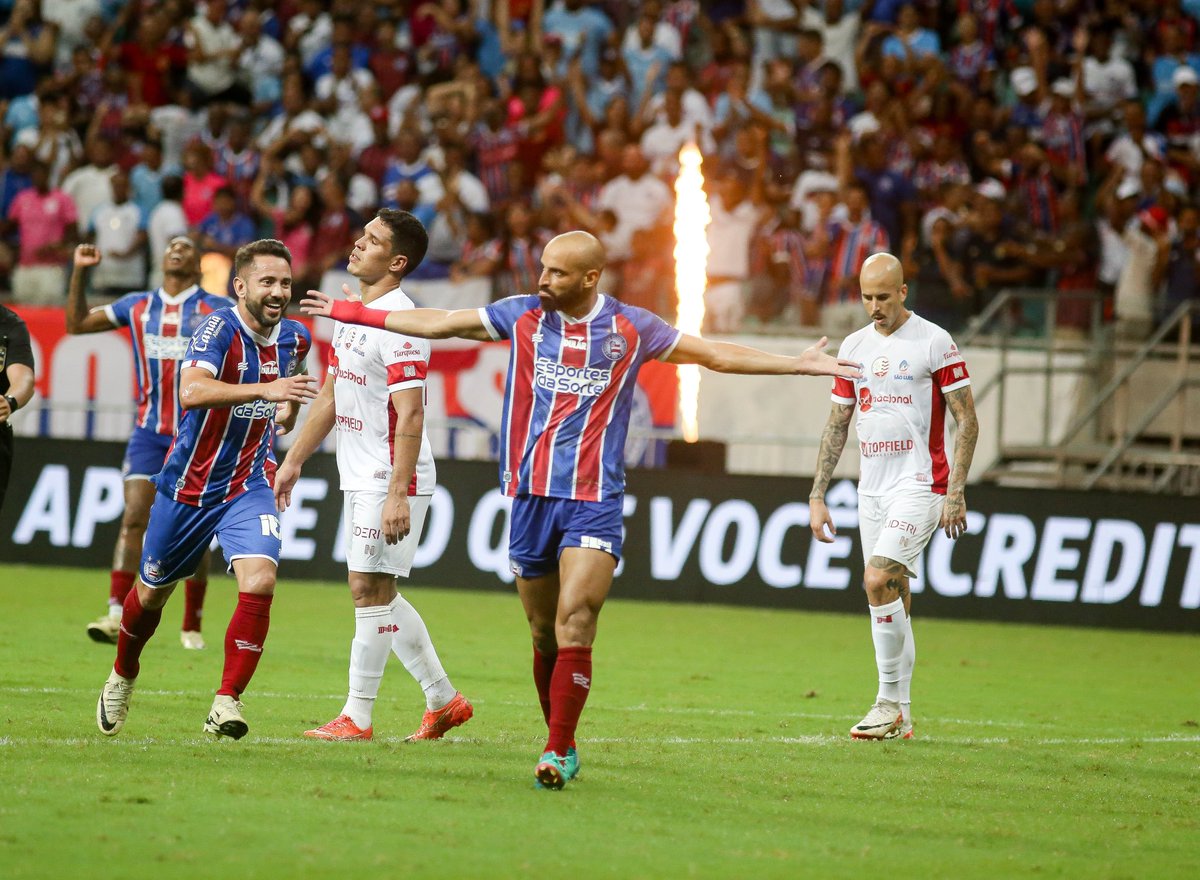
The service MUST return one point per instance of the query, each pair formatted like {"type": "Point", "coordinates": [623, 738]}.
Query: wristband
{"type": "Point", "coordinates": [356, 313]}
{"type": "Point", "coordinates": [13, 406]}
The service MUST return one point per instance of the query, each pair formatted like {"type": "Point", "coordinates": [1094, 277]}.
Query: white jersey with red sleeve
{"type": "Point", "coordinates": [367, 365]}
{"type": "Point", "coordinates": [901, 404]}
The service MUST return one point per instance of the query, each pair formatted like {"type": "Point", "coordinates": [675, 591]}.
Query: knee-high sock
{"type": "Point", "coordinates": [543, 672]}
{"type": "Point", "coordinates": [137, 626]}
{"type": "Point", "coordinates": [411, 643]}
{"type": "Point", "coordinates": [193, 604]}
{"type": "Point", "coordinates": [368, 658]}
{"type": "Point", "coordinates": [887, 632]}
{"type": "Point", "coordinates": [244, 642]}
{"type": "Point", "coordinates": [119, 584]}
{"type": "Point", "coordinates": [908, 659]}
{"type": "Point", "coordinates": [569, 687]}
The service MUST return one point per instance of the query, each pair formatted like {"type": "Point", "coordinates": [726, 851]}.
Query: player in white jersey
{"type": "Point", "coordinates": [375, 398]}
{"type": "Point", "coordinates": [912, 371]}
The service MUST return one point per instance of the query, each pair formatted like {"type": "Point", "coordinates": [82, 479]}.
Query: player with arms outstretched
{"type": "Point", "coordinates": [575, 356]}
{"type": "Point", "coordinates": [241, 363]}
{"type": "Point", "coordinates": [912, 372]}
{"type": "Point", "coordinates": [159, 323]}
{"type": "Point", "coordinates": [375, 398]}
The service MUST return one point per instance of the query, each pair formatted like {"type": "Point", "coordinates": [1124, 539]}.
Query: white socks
{"type": "Point", "coordinates": [368, 658]}
{"type": "Point", "coordinates": [411, 643]}
{"type": "Point", "coordinates": [908, 659]}
{"type": "Point", "coordinates": [888, 628]}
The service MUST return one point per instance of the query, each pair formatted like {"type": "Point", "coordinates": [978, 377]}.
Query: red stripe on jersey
{"type": "Point", "coordinates": [562, 405]}
{"type": "Point", "coordinates": [137, 329]}
{"type": "Point", "coordinates": [844, 388]}
{"type": "Point", "coordinates": [520, 404]}
{"type": "Point", "coordinates": [589, 469]}
{"type": "Point", "coordinates": [408, 371]}
{"type": "Point", "coordinates": [210, 435]}
{"type": "Point", "coordinates": [244, 468]}
{"type": "Point", "coordinates": [167, 375]}
{"type": "Point", "coordinates": [950, 374]}
{"type": "Point", "coordinates": [937, 441]}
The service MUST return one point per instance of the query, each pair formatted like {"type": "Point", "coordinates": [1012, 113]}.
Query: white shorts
{"type": "Point", "coordinates": [362, 524]}
{"type": "Point", "coordinates": [898, 526]}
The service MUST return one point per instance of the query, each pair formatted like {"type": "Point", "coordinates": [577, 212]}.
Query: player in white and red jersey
{"type": "Point", "coordinates": [159, 323]}
{"type": "Point", "coordinates": [240, 365]}
{"type": "Point", "coordinates": [574, 364]}
{"type": "Point", "coordinates": [375, 399]}
{"type": "Point", "coordinates": [912, 372]}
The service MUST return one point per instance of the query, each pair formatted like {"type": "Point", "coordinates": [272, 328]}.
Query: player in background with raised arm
{"type": "Point", "coordinates": [241, 363]}
{"type": "Point", "coordinates": [375, 398]}
{"type": "Point", "coordinates": [572, 372]}
{"type": "Point", "coordinates": [159, 323]}
{"type": "Point", "coordinates": [912, 372]}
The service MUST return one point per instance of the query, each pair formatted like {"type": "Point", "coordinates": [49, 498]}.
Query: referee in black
{"type": "Point", "coordinates": [16, 384]}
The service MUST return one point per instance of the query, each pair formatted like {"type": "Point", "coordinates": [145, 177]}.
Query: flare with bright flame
{"type": "Point", "coordinates": [691, 263]}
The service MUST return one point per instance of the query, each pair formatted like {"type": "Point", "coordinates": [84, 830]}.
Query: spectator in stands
{"type": "Point", "coordinates": [1180, 270]}
{"type": "Point", "coordinates": [893, 199]}
{"type": "Point", "coordinates": [165, 222]}
{"type": "Point", "coordinates": [214, 49]}
{"type": "Point", "coordinates": [226, 228]}
{"type": "Point", "coordinates": [260, 64]}
{"type": "Point", "coordinates": [481, 251]}
{"type": "Point", "coordinates": [639, 200]}
{"type": "Point", "coordinates": [45, 220]}
{"type": "Point", "coordinates": [1148, 243]}
{"type": "Point", "coordinates": [521, 252]}
{"type": "Point", "coordinates": [854, 235]}
{"type": "Point", "coordinates": [200, 182]}
{"type": "Point", "coordinates": [296, 121]}
{"type": "Point", "coordinates": [583, 29]}
{"type": "Point", "coordinates": [145, 178]}
{"type": "Point", "coordinates": [294, 225]}
{"type": "Point", "coordinates": [118, 229]}
{"type": "Point", "coordinates": [409, 165]}
{"type": "Point", "coordinates": [992, 257]}
{"type": "Point", "coordinates": [336, 231]}
{"type": "Point", "coordinates": [28, 48]}
{"type": "Point", "coordinates": [150, 61]}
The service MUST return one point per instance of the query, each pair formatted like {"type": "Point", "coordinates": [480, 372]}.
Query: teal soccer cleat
{"type": "Point", "coordinates": [553, 770]}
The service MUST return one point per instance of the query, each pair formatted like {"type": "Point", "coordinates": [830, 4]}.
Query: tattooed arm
{"type": "Point", "coordinates": [954, 511]}
{"type": "Point", "coordinates": [833, 441]}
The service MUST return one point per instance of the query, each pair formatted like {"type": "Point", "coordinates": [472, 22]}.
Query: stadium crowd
{"type": "Point", "coordinates": [988, 143]}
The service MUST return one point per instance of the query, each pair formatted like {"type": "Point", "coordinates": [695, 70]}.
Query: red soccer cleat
{"type": "Point", "coordinates": [437, 722]}
{"type": "Point", "coordinates": [340, 729]}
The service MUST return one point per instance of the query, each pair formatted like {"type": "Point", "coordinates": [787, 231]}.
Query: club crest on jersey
{"type": "Point", "coordinates": [880, 366]}
{"type": "Point", "coordinates": [614, 346]}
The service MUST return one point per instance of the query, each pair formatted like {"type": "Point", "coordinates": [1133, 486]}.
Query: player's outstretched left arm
{"type": "Point", "coordinates": [423, 323]}
{"type": "Point", "coordinates": [728, 357]}
{"type": "Point", "coordinates": [199, 389]}
{"type": "Point", "coordinates": [954, 511]}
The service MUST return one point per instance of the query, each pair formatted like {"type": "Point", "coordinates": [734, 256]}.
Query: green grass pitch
{"type": "Point", "coordinates": [713, 744]}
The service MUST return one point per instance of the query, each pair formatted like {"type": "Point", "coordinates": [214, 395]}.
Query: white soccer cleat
{"type": "Point", "coordinates": [904, 730]}
{"type": "Point", "coordinates": [113, 705]}
{"type": "Point", "coordinates": [884, 717]}
{"type": "Point", "coordinates": [104, 629]}
{"type": "Point", "coordinates": [192, 640]}
{"type": "Point", "coordinates": [225, 718]}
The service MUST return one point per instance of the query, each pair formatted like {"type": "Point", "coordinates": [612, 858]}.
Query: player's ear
{"type": "Point", "coordinates": [398, 264]}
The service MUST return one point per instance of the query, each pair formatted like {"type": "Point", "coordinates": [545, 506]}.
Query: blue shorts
{"type": "Point", "coordinates": [178, 534]}
{"type": "Point", "coordinates": [145, 454]}
{"type": "Point", "coordinates": [541, 528]}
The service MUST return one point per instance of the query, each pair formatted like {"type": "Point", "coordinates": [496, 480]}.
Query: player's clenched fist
{"type": "Point", "coordinates": [87, 255]}
{"type": "Point", "coordinates": [300, 389]}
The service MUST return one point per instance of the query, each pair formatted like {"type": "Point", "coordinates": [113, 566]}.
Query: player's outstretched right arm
{"type": "Point", "coordinates": [199, 389]}
{"type": "Point", "coordinates": [833, 441]}
{"type": "Point", "coordinates": [79, 319]}
{"type": "Point", "coordinates": [423, 323]}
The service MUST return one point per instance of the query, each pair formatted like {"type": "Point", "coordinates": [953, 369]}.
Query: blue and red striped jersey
{"type": "Point", "coordinates": [569, 392]}
{"type": "Point", "coordinates": [221, 453]}
{"type": "Point", "coordinates": [159, 327]}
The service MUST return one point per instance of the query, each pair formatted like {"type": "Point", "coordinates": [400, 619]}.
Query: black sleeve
{"type": "Point", "coordinates": [19, 349]}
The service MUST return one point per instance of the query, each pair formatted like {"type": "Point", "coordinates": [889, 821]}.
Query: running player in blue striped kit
{"type": "Point", "coordinates": [240, 364]}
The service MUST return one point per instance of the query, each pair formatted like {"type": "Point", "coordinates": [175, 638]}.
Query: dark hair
{"type": "Point", "coordinates": [172, 187]}
{"type": "Point", "coordinates": [408, 236]}
{"type": "Point", "coordinates": [264, 247]}
{"type": "Point", "coordinates": [225, 191]}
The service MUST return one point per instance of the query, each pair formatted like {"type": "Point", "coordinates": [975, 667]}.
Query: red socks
{"type": "Point", "coordinates": [193, 605]}
{"type": "Point", "coordinates": [569, 685]}
{"type": "Point", "coordinates": [543, 670]}
{"type": "Point", "coordinates": [119, 583]}
{"type": "Point", "coordinates": [244, 642]}
{"type": "Point", "coordinates": [137, 626]}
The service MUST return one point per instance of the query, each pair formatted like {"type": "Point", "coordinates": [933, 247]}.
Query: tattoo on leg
{"type": "Point", "coordinates": [897, 581]}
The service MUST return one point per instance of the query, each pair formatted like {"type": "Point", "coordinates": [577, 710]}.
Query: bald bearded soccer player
{"type": "Point", "coordinates": [575, 355]}
{"type": "Point", "coordinates": [912, 372]}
